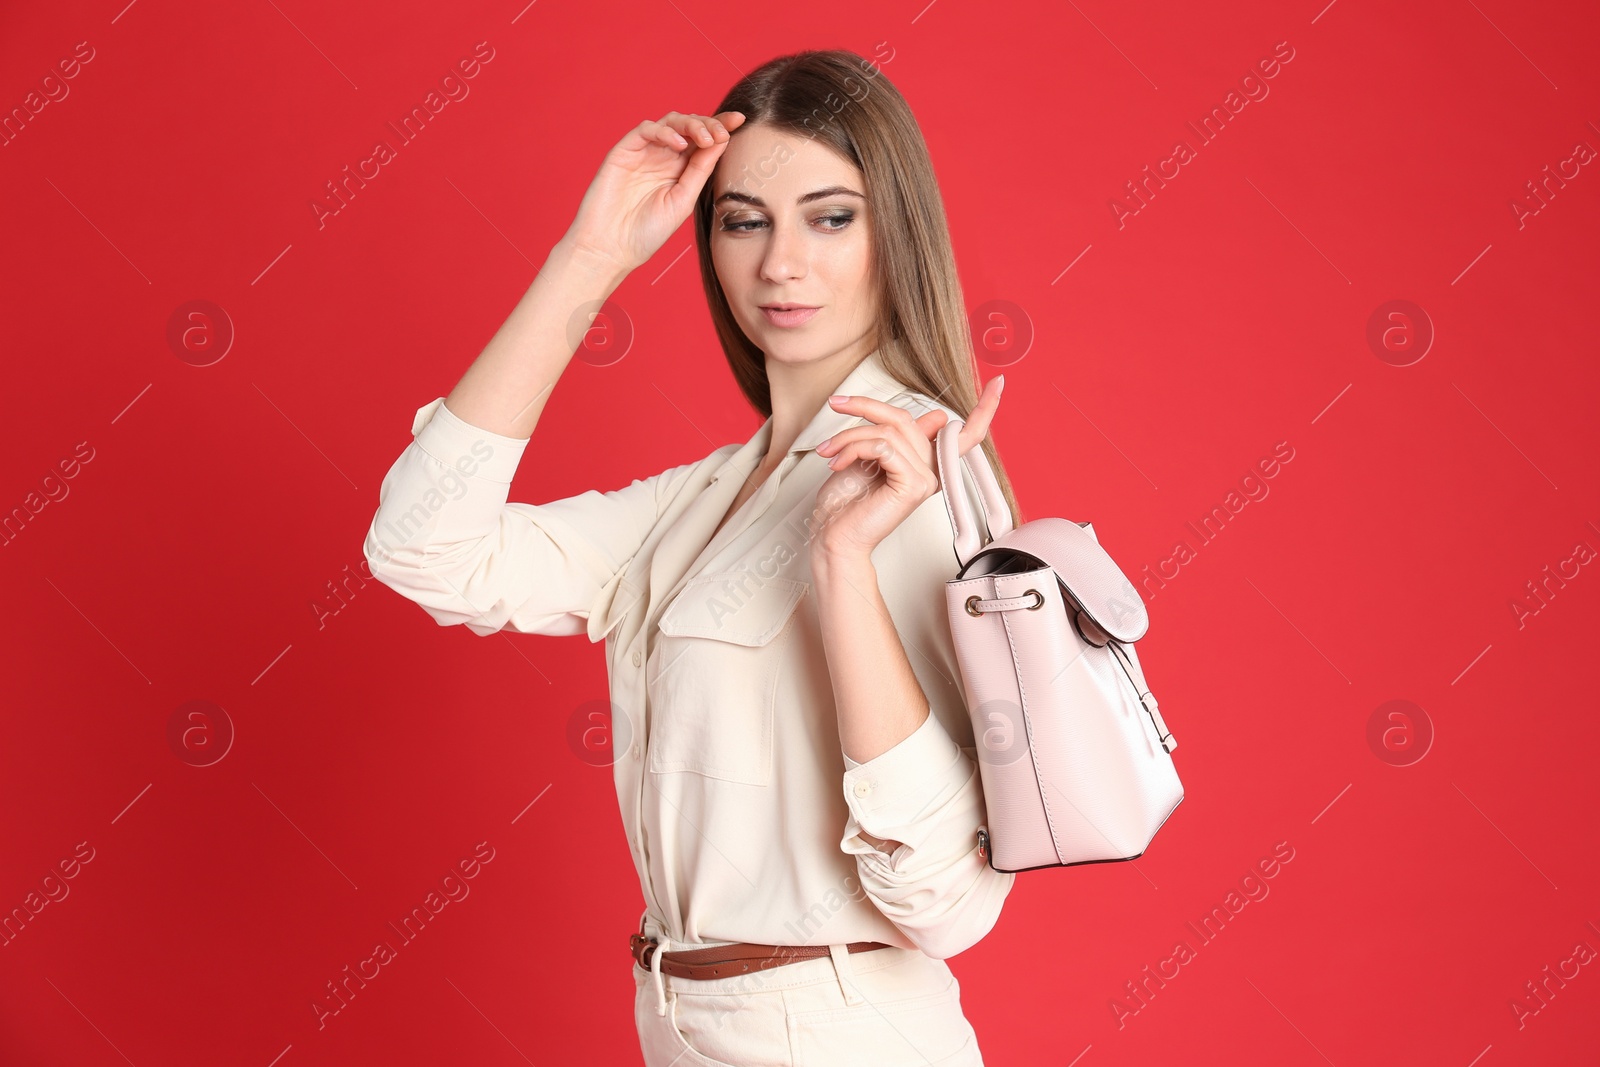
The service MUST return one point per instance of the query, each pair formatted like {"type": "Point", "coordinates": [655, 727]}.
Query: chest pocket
{"type": "Point", "coordinates": [714, 672]}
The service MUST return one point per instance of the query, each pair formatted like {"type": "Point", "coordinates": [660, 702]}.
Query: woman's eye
{"type": "Point", "coordinates": [743, 225]}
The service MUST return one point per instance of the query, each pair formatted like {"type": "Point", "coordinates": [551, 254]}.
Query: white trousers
{"type": "Point", "coordinates": [891, 1007]}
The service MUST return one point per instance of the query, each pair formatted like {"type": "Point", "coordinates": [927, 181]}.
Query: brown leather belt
{"type": "Point", "coordinates": [720, 961]}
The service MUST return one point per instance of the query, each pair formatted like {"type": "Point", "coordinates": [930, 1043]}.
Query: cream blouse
{"type": "Point", "coordinates": [744, 816]}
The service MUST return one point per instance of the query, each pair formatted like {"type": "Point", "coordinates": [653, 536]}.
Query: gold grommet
{"type": "Point", "coordinates": [971, 606]}
{"type": "Point", "coordinates": [1040, 604]}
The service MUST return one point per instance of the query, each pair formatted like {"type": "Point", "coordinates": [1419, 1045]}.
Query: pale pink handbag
{"type": "Point", "coordinates": [1074, 756]}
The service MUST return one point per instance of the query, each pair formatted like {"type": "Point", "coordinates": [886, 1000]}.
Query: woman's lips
{"type": "Point", "coordinates": [792, 317]}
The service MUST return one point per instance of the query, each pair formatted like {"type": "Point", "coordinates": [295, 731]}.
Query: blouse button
{"type": "Point", "coordinates": [636, 657]}
{"type": "Point", "coordinates": [863, 787]}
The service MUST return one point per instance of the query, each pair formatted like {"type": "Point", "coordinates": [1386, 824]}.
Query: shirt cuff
{"type": "Point", "coordinates": [469, 449]}
{"type": "Point", "coordinates": [890, 794]}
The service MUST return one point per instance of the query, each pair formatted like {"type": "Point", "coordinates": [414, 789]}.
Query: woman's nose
{"type": "Point", "coordinates": [785, 254]}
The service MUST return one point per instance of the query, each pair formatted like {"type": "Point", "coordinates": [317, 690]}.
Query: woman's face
{"type": "Point", "coordinates": [790, 227]}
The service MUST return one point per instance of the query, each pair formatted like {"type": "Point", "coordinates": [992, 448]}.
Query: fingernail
{"type": "Point", "coordinates": [1001, 387]}
{"type": "Point", "coordinates": [838, 398]}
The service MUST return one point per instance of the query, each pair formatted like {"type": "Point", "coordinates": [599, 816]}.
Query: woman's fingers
{"type": "Point", "coordinates": [887, 455]}
{"type": "Point", "coordinates": [893, 440]}
{"type": "Point", "coordinates": [700, 165]}
{"type": "Point", "coordinates": [931, 423]}
{"type": "Point", "coordinates": [883, 416]}
{"type": "Point", "coordinates": [695, 175]}
{"type": "Point", "coordinates": [867, 449]}
{"type": "Point", "coordinates": [976, 427]}
{"type": "Point", "coordinates": [871, 432]}
{"type": "Point", "coordinates": [878, 412]}
{"type": "Point", "coordinates": [717, 127]}
{"type": "Point", "coordinates": [704, 131]}
{"type": "Point", "coordinates": [660, 133]}
{"type": "Point", "coordinates": [888, 419]}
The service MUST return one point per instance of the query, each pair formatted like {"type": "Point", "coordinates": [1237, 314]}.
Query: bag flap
{"type": "Point", "coordinates": [1088, 575]}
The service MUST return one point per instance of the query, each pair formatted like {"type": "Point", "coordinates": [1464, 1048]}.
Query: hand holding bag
{"type": "Point", "coordinates": [1075, 759]}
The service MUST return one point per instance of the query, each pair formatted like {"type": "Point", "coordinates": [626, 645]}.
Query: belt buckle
{"type": "Point", "coordinates": [641, 947]}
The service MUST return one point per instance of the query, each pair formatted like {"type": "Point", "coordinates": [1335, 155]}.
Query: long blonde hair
{"type": "Point", "coordinates": [844, 101]}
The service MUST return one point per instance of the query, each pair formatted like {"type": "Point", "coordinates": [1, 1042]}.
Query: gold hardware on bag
{"type": "Point", "coordinates": [972, 603]}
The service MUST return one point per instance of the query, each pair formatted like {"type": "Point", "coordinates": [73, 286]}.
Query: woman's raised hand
{"type": "Point", "coordinates": [647, 186]}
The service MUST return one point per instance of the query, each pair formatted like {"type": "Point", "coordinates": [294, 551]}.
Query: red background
{"type": "Point", "coordinates": [374, 750]}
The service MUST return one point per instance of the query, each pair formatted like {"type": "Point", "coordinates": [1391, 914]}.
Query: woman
{"type": "Point", "coordinates": [793, 755]}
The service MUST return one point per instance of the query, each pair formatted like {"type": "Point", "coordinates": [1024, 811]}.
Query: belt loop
{"type": "Point", "coordinates": [662, 944]}
{"type": "Point", "coordinates": [846, 974]}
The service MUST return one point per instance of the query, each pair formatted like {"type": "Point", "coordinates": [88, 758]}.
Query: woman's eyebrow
{"type": "Point", "coordinates": [820, 194]}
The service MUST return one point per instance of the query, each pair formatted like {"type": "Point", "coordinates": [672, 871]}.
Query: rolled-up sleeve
{"type": "Point", "coordinates": [923, 797]}
{"type": "Point", "coordinates": [445, 536]}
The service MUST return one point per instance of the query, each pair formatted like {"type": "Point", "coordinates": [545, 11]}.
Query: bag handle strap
{"type": "Point", "coordinates": [996, 512]}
